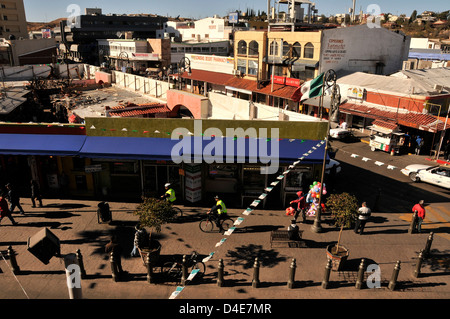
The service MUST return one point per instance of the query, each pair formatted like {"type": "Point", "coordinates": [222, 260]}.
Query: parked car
{"type": "Point", "coordinates": [340, 133]}
{"type": "Point", "coordinates": [437, 175]}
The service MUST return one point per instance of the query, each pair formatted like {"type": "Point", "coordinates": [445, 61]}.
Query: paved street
{"type": "Point", "coordinates": [385, 241]}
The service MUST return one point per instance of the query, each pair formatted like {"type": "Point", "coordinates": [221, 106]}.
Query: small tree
{"type": "Point", "coordinates": [343, 208]}
{"type": "Point", "coordinates": [153, 213]}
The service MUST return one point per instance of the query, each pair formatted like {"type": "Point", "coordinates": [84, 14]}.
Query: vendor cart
{"type": "Point", "coordinates": [386, 137]}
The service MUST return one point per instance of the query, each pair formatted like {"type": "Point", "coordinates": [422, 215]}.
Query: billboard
{"type": "Point", "coordinates": [233, 17]}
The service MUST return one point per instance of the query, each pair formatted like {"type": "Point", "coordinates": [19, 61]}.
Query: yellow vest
{"type": "Point", "coordinates": [171, 197]}
{"type": "Point", "coordinates": [222, 204]}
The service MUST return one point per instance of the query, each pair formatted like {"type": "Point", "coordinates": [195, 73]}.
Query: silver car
{"type": "Point", "coordinates": [437, 175]}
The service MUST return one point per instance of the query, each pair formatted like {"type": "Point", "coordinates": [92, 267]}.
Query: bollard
{"type": "Point", "coordinates": [326, 277]}
{"type": "Point", "coordinates": [291, 281]}
{"type": "Point", "coordinates": [184, 271]}
{"type": "Point", "coordinates": [255, 281]}
{"type": "Point", "coordinates": [149, 269]}
{"type": "Point", "coordinates": [114, 272]}
{"type": "Point", "coordinates": [73, 276]}
{"type": "Point", "coordinates": [412, 225]}
{"type": "Point", "coordinates": [12, 259]}
{"type": "Point", "coordinates": [360, 278]}
{"type": "Point", "coordinates": [80, 263]}
{"type": "Point", "coordinates": [419, 265]}
{"type": "Point", "coordinates": [220, 273]}
{"type": "Point", "coordinates": [426, 251]}
{"type": "Point", "coordinates": [394, 277]}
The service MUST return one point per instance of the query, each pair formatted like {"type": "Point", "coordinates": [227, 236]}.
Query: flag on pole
{"type": "Point", "coordinates": [312, 88]}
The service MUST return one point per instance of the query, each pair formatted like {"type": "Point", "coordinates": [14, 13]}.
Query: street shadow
{"type": "Point", "coordinates": [438, 262]}
{"type": "Point", "coordinates": [383, 193]}
{"type": "Point", "coordinates": [51, 225]}
{"type": "Point", "coordinates": [66, 205]}
{"type": "Point", "coordinates": [245, 255]}
{"type": "Point", "coordinates": [55, 214]}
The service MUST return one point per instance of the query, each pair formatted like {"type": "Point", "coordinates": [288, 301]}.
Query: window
{"type": "Point", "coordinates": [242, 66]}
{"type": "Point", "coordinates": [253, 48]}
{"type": "Point", "coordinates": [273, 48]}
{"type": "Point", "coordinates": [309, 51]}
{"type": "Point", "coordinates": [252, 67]}
{"type": "Point", "coordinates": [242, 47]}
{"type": "Point", "coordinates": [286, 49]}
{"type": "Point", "coordinates": [296, 50]}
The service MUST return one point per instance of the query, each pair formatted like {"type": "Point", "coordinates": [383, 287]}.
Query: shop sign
{"type": "Point", "coordinates": [93, 168]}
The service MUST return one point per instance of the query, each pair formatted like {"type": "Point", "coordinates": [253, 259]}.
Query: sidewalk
{"type": "Point", "coordinates": [385, 242]}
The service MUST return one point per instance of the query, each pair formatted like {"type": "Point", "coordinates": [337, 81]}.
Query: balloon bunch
{"type": "Point", "coordinates": [314, 191]}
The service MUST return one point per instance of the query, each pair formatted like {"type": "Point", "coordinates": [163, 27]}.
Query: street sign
{"type": "Point", "coordinates": [233, 17]}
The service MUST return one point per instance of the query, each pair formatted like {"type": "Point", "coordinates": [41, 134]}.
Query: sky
{"type": "Point", "coordinates": [48, 10]}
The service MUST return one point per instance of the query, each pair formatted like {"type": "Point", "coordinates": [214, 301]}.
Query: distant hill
{"type": "Point", "coordinates": [37, 26]}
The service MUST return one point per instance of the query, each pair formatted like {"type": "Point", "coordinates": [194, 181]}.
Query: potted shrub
{"type": "Point", "coordinates": [343, 208]}
{"type": "Point", "coordinates": [153, 213]}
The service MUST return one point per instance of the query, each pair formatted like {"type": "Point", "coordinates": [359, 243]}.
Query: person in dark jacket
{"type": "Point", "coordinates": [4, 210]}
{"type": "Point", "coordinates": [35, 193]}
{"type": "Point", "coordinates": [14, 199]}
{"type": "Point", "coordinates": [114, 246]}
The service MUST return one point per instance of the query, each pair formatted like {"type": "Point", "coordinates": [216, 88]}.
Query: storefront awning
{"type": "Point", "coordinates": [255, 150]}
{"type": "Point", "coordinates": [137, 148]}
{"type": "Point", "coordinates": [203, 149]}
{"type": "Point", "coordinates": [41, 144]}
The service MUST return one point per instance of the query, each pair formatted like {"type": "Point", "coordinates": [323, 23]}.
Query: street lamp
{"type": "Point", "coordinates": [329, 80]}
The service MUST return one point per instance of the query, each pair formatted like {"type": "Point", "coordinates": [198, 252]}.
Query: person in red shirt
{"type": "Point", "coordinates": [301, 206]}
{"type": "Point", "coordinates": [4, 210]}
{"type": "Point", "coordinates": [420, 210]}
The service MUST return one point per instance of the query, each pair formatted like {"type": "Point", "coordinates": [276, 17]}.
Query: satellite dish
{"type": "Point", "coordinates": [119, 34]}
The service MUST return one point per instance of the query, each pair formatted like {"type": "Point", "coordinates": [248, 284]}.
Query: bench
{"type": "Point", "coordinates": [282, 237]}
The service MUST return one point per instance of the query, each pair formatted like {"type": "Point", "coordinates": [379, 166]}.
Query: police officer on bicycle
{"type": "Point", "coordinates": [170, 194]}
{"type": "Point", "coordinates": [219, 210]}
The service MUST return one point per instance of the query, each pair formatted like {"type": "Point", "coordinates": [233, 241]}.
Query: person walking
{"type": "Point", "coordinates": [301, 206]}
{"type": "Point", "coordinates": [14, 199]}
{"type": "Point", "coordinates": [419, 144]}
{"type": "Point", "coordinates": [4, 210]}
{"type": "Point", "coordinates": [447, 150]}
{"type": "Point", "coordinates": [364, 213]}
{"type": "Point", "coordinates": [114, 246]}
{"type": "Point", "coordinates": [35, 193]}
{"type": "Point", "coordinates": [419, 210]}
{"type": "Point", "coordinates": [141, 240]}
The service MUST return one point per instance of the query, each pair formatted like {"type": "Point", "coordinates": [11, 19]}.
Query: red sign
{"type": "Point", "coordinates": [285, 81]}
{"type": "Point", "coordinates": [278, 79]}
{"type": "Point", "coordinates": [292, 82]}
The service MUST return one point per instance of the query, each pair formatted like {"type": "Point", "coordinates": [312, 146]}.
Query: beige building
{"type": "Point", "coordinates": [258, 54]}
{"type": "Point", "coordinates": [12, 19]}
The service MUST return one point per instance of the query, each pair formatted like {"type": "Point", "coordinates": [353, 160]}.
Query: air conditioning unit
{"type": "Point", "coordinates": [236, 72]}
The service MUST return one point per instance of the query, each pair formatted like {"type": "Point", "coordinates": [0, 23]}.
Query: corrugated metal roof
{"type": "Point", "coordinates": [283, 91]}
{"type": "Point", "coordinates": [139, 110]}
{"type": "Point", "coordinates": [420, 121]}
{"type": "Point", "coordinates": [208, 76]}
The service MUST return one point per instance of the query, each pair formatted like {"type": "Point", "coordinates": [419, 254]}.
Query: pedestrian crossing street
{"type": "Point", "coordinates": [437, 219]}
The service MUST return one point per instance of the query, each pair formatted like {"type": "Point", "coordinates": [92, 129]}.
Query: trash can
{"type": "Point", "coordinates": [104, 213]}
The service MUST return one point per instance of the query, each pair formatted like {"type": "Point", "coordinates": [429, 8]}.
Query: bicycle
{"type": "Point", "coordinates": [177, 211]}
{"type": "Point", "coordinates": [173, 270]}
{"type": "Point", "coordinates": [208, 224]}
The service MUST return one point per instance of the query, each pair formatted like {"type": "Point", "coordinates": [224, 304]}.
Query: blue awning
{"type": "Point", "coordinates": [190, 149]}
{"type": "Point", "coordinates": [254, 150]}
{"type": "Point", "coordinates": [429, 56]}
{"type": "Point", "coordinates": [138, 148]}
{"type": "Point", "coordinates": [41, 144]}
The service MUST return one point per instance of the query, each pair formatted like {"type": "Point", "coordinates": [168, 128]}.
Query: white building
{"type": "Point", "coordinates": [364, 49]}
